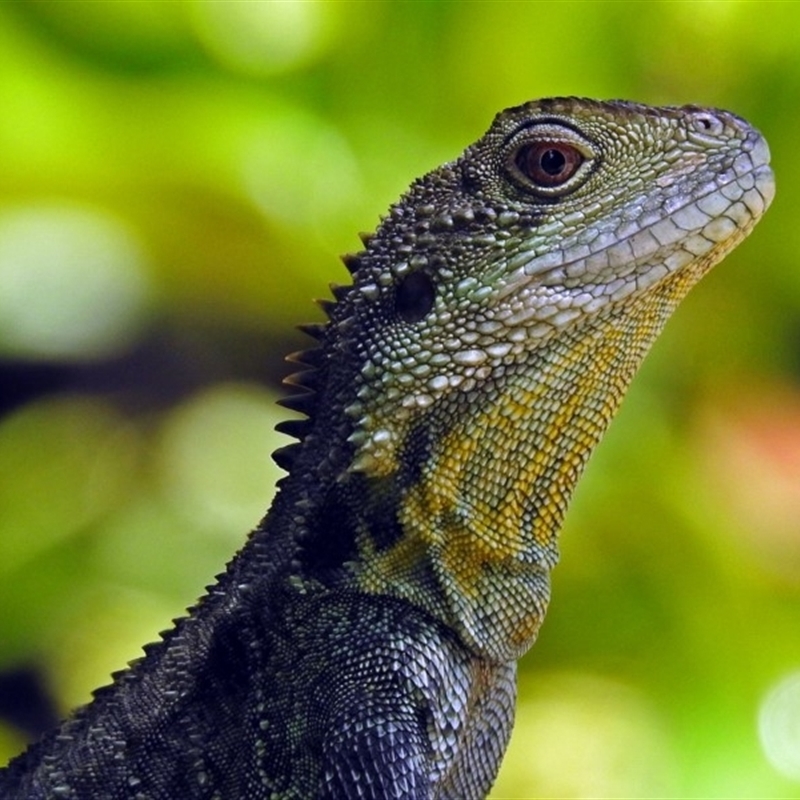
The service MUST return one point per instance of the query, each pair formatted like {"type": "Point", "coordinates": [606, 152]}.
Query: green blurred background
{"type": "Point", "coordinates": [176, 180]}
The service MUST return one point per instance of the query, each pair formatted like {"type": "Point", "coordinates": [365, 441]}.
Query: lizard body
{"type": "Point", "coordinates": [363, 643]}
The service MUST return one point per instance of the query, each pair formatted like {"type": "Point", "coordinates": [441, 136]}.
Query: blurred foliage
{"type": "Point", "coordinates": [177, 179]}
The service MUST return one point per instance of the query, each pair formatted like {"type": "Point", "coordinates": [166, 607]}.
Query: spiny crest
{"type": "Point", "coordinates": [304, 383]}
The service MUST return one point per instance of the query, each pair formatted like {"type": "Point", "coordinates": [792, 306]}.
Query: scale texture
{"type": "Point", "coordinates": [363, 642]}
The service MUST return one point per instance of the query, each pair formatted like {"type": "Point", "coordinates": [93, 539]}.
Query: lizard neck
{"type": "Point", "coordinates": [479, 521]}
{"type": "Point", "coordinates": [464, 525]}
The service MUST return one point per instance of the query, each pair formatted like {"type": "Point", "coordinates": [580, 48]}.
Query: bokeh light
{"type": "Point", "coordinates": [214, 458]}
{"type": "Point", "coordinates": [301, 171]}
{"type": "Point", "coordinates": [779, 725]}
{"type": "Point", "coordinates": [82, 466]}
{"type": "Point", "coordinates": [581, 735]}
{"type": "Point", "coordinates": [73, 283]}
{"type": "Point", "coordinates": [263, 38]}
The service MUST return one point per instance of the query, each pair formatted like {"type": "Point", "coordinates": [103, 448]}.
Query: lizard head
{"type": "Point", "coordinates": [564, 210]}
{"type": "Point", "coordinates": [495, 320]}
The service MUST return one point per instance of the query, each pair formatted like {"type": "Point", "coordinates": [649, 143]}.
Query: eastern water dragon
{"type": "Point", "coordinates": [363, 642]}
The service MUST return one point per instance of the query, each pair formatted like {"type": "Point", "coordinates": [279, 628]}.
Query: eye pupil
{"type": "Point", "coordinates": [552, 162]}
{"type": "Point", "coordinates": [414, 297]}
{"type": "Point", "coordinates": [548, 164]}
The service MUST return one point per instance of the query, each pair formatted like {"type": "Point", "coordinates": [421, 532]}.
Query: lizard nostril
{"type": "Point", "coordinates": [707, 124]}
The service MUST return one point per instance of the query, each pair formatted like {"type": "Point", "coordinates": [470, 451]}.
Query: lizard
{"type": "Point", "coordinates": [363, 643]}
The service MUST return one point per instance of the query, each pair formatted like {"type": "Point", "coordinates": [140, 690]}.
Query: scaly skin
{"type": "Point", "coordinates": [363, 643]}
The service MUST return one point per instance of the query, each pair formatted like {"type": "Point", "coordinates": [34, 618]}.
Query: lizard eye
{"type": "Point", "coordinates": [548, 164]}
{"type": "Point", "coordinates": [414, 297]}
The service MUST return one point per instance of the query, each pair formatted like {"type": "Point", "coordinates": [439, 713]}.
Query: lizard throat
{"type": "Point", "coordinates": [480, 521]}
